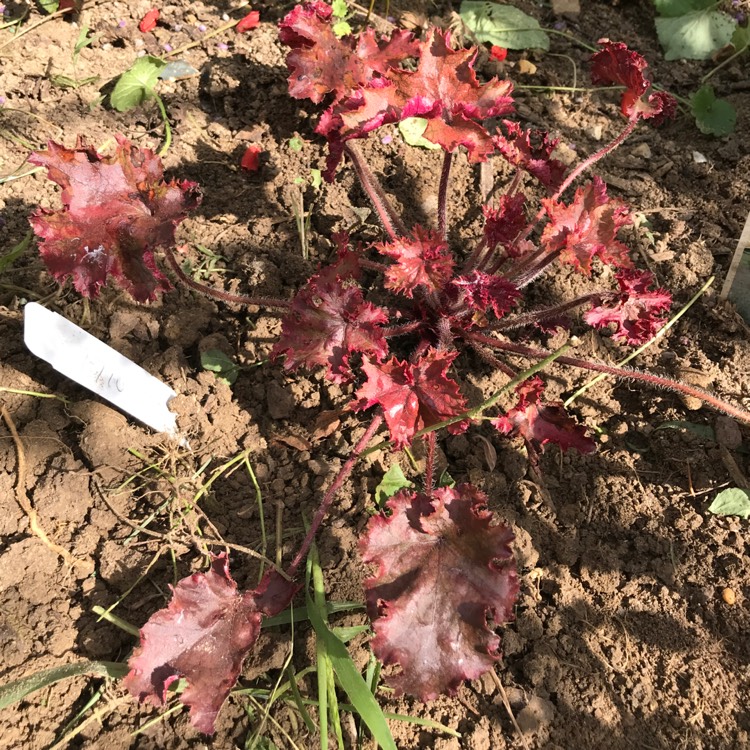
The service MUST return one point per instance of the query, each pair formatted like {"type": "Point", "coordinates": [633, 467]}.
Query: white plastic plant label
{"type": "Point", "coordinates": [91, 363]}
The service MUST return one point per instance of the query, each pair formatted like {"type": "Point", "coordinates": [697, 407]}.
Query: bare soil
{"type": "Point", "coordinates": [632, 626]}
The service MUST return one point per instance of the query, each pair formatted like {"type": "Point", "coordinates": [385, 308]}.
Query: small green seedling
{"type": "Point", "coordinates": [732, 502]}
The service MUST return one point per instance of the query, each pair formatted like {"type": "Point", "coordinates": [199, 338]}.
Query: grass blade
{"type": "Point", "coordinates": [19, 689]}
{"type": "Point", "coordinates": [351, 681]}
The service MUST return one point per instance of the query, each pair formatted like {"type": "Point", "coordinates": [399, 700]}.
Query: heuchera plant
{"type": "Point", "coordinates": [444, 574]}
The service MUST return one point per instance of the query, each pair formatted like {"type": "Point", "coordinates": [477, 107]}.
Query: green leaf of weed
{"type": "Point", "coordinates": [136, 84]}
{"type": "Point", "coordinates": [216, 361]}
{"type": "Point", "coordinates": [393, 481]}
{"type": "Point", "coordinates": [675, 8]}
{"type": "Point", "coordinates": [411, 130]}
{"type": "Point", "coordinates": [712, 116]}
{"type": "Point", "coordinates": [694, 36]}
{"type": "Point", "coordinates": [503, 25]}
{"type": "Point", "coordinates": [731, 502]}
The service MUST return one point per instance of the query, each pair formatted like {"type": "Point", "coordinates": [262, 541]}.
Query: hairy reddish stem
{"type": "Point", "coordinates": [389, 218]}
{"type": "Point", "coordinates": [535, 316]}
{"type": "Point", "coordinates": [331, 493]}
{"type": "Point", "coordinates": [523, 270]}
{"type": "Point", "coordinates": [218, 294]}
{"type": "Point", "coordinates": [402, 330]}
{"type": "Point", "coordinates": [429, 470]}
{"type": "Point", "coordinates": [443, 195]}
{"type": "Point", "coordinates": [619, 372]}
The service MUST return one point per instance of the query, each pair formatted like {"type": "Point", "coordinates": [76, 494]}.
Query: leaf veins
{"type": "Point", "coordinates": [443, 571]}
{"type": "Point", "coordinates": [117, 210]}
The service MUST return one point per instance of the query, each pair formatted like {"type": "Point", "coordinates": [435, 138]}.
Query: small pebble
{"type": "Point", "coordinates": [177, 27]}
{"type": "Point", "coordinates": [386, 139]}
{"type": "Point", "coordinates": [224, 17]}
{"type": "Point", "coordinates": [122, 24]}
{"type": "Point", "coordinates": [729, 596]}
{"type": "Point", "coordinates": [223, 47]}
{"type": "Point", "coordinates": [201, 27]}
{"type": "Point", "coordinates": [167, 47]}
{"type": "Point", "coordinates": [699, 158]}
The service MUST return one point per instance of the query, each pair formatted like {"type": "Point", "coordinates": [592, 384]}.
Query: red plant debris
{"type": "Point", "coordinates": [498, 53]}
{"type": "Point", "coordinates": [249, 22]}
{"type": "Point", "coordinates": [116, 210]}
{"type": "Point", "coordinates": [250, 161]}
{"type": "Point", "coordinates": [149, 21]}
{"type": "Point", "coordinates": [444, 571]}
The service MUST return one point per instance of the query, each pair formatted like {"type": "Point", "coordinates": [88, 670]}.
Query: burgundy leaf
{"type": "Point", "coordinates": [117, 210]}
{"type": "Point", "coordinates": [483, 292]}
{"type": "Point", "coordinates": [443, 570]}
{"type": "Point", "coordinates": [539, 423]}
{"type": "Point", "coordinates": [503, 224]}
{"type": "Point", "coordinates": [422, 260]}
{"type": "Point", "coordinates": [329, 320]}
{"type": "Point", "coordinates": [444, 90]}
{"type": "Point", "coordinates": [587, 228]}
{"type": "Point", "coordinates": [413, 396]}
{"type": "Point", "coordinates": [615, 64]}
{"type": "Point", "coordinates": [203, 635]}
{"type": "Point", "coordinates": [321, 63]}
{"type": "Point", "coordinates": [635, 311]}
{"type": "Point", "coordinates": [531, 150]}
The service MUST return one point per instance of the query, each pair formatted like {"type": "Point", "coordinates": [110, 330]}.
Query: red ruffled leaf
{"type": "Point", "coordinates": [444, 90]}
{"type": "Point", "coordinates": [422, 260]}
{"type": "Point", "coordinates": [531, 150]}
{"type": "Point", "coordinates": [329, 320]}
{"type": "Point", "coordinates": [615, 64]}
{"type": "Point", "coordinates": [117, 210]}
{"type": "Point", "coordinates": [482, 292]}
{"type": "Point", "coordinates": [444, 570]}
{"type": "Point", "coordinates": [203, 635]}
{"type": "Point", "coordinates": [503, 224]}
{"type": "Point", "coordinates": [587, 228]}
{"type": "Point", "coordinates": [413, 396]}
{"type": "Point", "coordinates": [635, 311]}
{"type": "Point", "coordinates": [539, 423]}
{"type": "Point", "coordinates": [322, 63]}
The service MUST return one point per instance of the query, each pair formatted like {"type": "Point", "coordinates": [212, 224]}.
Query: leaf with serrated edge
{"type": "Point", "coordinates": [330, 320]}
{"type": "Point", "coordinates": [323, 60]}
{"type": "Point", "coordinates": [443, 570]}
{"type": "Point", "coordinates": [444, 90]}
{"type": "Point", "coordinates": [117, 210]}
{"type": "Point", "coordinates": [413, 395]}
{"type": "Point", "coordinates": [203, 635]}
{"type": "Point", "coordinates": [587, 228]}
